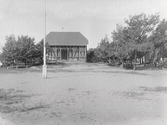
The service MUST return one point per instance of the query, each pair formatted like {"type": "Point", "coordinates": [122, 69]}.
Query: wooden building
{"type": "Point", "coordinates": [70, 46]}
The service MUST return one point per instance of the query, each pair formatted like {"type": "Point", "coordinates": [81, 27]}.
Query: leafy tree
{"type": "Point", "coordinates": [39, 50]}
{"type": "Point", "coordinates": [102, 50]}
{"type": "Point", "coordinates": [158, 40]}
{"type": "Point", "coordinates": [139, 27]}
{"type": "Point", "coordinates": [91, 55]}
{"type": "Point", "coordinates": [26, 49]}
{"type": "Point", "coordinates": [133, 38]}
{"type": "Point", "coordinates": [9, 51]}
{"type": "Point", "coordinates": [20, 49]}
{"type": "Point", "coordinates": [23, 49]}
{"type": "Point", "coordinates": [142, 35]}
{"type": "Point", "coordinates": [120, 44]}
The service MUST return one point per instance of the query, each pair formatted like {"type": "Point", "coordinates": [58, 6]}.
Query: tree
{"type": "Point", "coordinates": [139, 28]}
{"type": "Point", "coordinates": [91, 55]}
{"type": "Point", "coordinates": [26, 49]}
{"type": "Point", "coordinates": [159, 39]}
{"type": "Point", "coordinates": [120, 44]}
{"type": "Point", "coordinates": [39, 50]}
{"type": "Point", "coordinates": [133, 38]}
{"type": "Point", "coordinates": [9, 51]}
{"type": "Point", "coordinates": [102, 50]}
{"type": "Point", "coordinates": [21, 49]}
{"type": "Point", "coordinates": [99, 54]}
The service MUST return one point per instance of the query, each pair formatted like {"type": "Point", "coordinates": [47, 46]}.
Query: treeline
{"type": "Point", "coordinates": [142, 38]}
{"type": "Point", "coordinates": [22, 49]}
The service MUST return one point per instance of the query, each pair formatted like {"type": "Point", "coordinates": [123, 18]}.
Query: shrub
{"type": "Point", "coordinates": [128, 65]}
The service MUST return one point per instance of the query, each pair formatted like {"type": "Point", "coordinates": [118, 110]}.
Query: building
{"type": "Point", "coordinates": [70, 46]}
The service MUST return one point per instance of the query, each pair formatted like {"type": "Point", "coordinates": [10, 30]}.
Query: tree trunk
{"type": "Point", "coordinates": [163, 54]}
{"type": "Point", "coordinates": [144, 60]}
{"type": "Point", "coordinates": [153, 57]}
{"type": "Point", "coordinates": [135, 61]}
{"type": "Point", "coordinates": [122, 65]}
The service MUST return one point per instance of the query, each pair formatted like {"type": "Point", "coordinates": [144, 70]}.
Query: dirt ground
{"type": "Point", "coordinates": [83, 94]}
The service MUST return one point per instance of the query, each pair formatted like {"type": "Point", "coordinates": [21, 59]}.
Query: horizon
{"type": "Point", "coordinates": [95, 19]}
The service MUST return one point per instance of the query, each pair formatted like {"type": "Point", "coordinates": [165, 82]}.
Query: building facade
{"type": "Point", "coordinates": [69, 46]}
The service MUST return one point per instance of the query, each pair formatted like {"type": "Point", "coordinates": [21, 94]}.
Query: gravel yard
{"type": "Point", "coordinates": [83, 94]}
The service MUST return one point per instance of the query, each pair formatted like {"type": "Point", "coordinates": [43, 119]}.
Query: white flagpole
{"type": "Point", "coordinates": [44, 70]}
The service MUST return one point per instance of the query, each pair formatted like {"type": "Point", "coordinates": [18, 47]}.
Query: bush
{"type": "Point", "coordinates": [128, 66]}
{"type": "Point", "coordinates": [111, 63]}
{"type": "Point", "coordinates": [114, 63]}
{"type": "Point", "coordinates": [165, 64]}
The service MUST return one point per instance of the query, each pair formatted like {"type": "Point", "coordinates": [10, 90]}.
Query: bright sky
{"type": "Point", "coordinates": [93, 18]}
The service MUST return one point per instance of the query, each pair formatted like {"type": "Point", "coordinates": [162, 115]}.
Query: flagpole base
{"type": "Point", "coordinates": [44, 71]}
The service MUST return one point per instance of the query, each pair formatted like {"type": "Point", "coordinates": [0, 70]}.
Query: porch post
{"type": "Point", "coordinates": [85, 53]}
{"type": "Point", "coordinates": [78, 53]}
{"type": "Point", "coordinates": [60, 53]}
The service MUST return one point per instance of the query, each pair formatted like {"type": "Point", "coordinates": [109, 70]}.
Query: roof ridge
{"type": "Point", "coordinates": [64, 32]}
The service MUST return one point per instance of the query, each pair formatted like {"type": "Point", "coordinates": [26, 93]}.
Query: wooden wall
{"type": "Point", "coordinates": [74, 53]}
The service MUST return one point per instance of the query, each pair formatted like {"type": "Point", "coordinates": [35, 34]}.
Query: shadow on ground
{"type": "Point", "coordinates": [14, 100]}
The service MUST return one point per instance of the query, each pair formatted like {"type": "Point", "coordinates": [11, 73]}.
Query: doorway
{"type": "Point", "coordinates": [64, 54]}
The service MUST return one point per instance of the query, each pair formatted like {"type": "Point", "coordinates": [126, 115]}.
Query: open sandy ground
{"type": "Point", "coordinates": [83, 94]}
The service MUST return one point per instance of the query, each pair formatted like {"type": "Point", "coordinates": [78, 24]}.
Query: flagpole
{"type": "Point", "coordinates": [44, 70]}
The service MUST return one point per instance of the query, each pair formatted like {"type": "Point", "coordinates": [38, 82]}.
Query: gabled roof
{"type": "Point", "coordinates": [66, 38]}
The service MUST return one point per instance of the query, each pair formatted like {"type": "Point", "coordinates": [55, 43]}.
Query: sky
{"type": "Point", "coordinates": [93, 18]}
